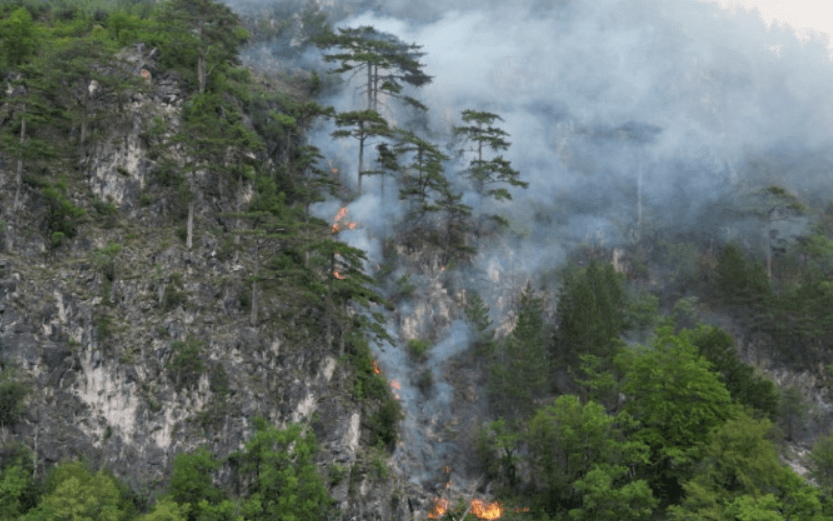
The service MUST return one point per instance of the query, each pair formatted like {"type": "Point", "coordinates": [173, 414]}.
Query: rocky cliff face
{"type": "Point", "coordinates": [98, 345]}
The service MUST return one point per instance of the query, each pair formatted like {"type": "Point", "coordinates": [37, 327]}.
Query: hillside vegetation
{"type": "Point", "coordinates": [618, 392]}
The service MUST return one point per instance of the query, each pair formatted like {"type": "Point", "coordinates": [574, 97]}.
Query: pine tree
{"type": "Point", "coordinates": [424, 182]}
{"type": "Point", "coordinates": [496, 171]}
{"type": "Point", "coordinates": [365, 124]}
{"type": "Point", "coordinates": [521, 373]}
{"type": "Point", "coordinates": [368, 50]}
{"type": "Point", "coordinates": [207, 27]}
{"type": "Point", "coordinates": [591, 313]}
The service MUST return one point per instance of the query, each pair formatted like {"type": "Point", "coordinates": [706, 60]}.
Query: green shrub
{"type": "Point", "coordinates": [174, 296]}
{"type": "Point", "coordinates": [62, 216]}
{"type": "Point", "coordinates": [105, 259]}
{"type": "Point", "coordinates": [12, 396]}
{"type": "Point", "coordinates": [425, 381]}
{"type": "Point", "coordinates": [384, 423]}
{"type": "Point", "coordinates": [104, 326]}
{"type": "Point", "coordinates": [337, 473]}
{"type": "Point", "coordinates": [378, 465]}
{"type": "Point", "coordinates": [418, 349]}
{"type": "Point", "coordinates": [186, 363]}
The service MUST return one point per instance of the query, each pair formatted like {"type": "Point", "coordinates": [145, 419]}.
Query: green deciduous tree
{"type": "Point", "coordinates": [740, 477]}
{"type": "Point", "coordinates": [821, 464]}
{"type": "Point", "coordinates": [583, 463]}
{"type": "Point", "coordinates": [740, 379]}
{"type": "Point", "coordinates": [74, 494]}
{"type": "Point", "coordinates": [283, 479]}
{"type": "Point", "coordinates": [677, 398]}
{"type": "Point", "coordinates": [191, 482]}
{"type": "Point", "coordinates": [166, 509]}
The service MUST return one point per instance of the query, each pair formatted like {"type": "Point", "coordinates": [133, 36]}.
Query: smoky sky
{"type": "Point", "coordinates": [679, 102]}
{"type": "Point", "coordinates": [684, 102]}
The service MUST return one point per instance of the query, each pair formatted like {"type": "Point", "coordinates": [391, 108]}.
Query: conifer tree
{"type": "Point", "coordinates": [365, 124]}
{"type": "Point", "coordinates": [591, 313]}
{"type": "Point", "coordinates": [521, 373]}
{"type": "Point", "coordinates": [208, 28]}
{"type": "Point", "coordinates": [424, 182]}
{"type": "Point", "coordinates": [496, 171]}
{"type": "Point", "coordinates": [285, 482]}
{"type": "Point", "coordinates": [457, 225]}
{"type": "Point", "coordinates": [477, 313]}
{"type": "Point", "coordinates": [386, 61]}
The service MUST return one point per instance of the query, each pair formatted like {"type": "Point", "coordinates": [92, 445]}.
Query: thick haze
{"type": "Point", "coordinates": [592, 92]}
{"type": "Point", "coordinates": [595, 95]}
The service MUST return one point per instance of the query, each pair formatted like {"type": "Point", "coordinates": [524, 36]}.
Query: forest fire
{"type": "Point", "coordinates": [376, 367]}
{"type": "Point", "coordinates": [338, 275]}
{"type": "Point", "coordinates": [338, 227]}
{"type": "Point", "coordinates": [486, 511]}
{"type": "Point", "coordinates": [440, 507]}
{"type": "Point", "coordinates": [479, 508]}
{"type": "Point", "coordinates": [395, 385]}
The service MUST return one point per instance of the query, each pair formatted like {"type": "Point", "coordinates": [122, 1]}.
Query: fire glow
{"type": "Point", "coordinates": [440, 508]}
{"type": "Point", "coordinates": [338, 275]}
{"type": "Point", "coordinates": [376, 367]}
{"type": "Point", "coordinates": [395, 385]}
{"type": "Point", "coordinates": [338, 227]}
{"type": "Point", "coordinates": [486, 511]}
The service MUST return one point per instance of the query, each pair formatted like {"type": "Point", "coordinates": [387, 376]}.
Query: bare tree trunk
{"type": "Point", "coordinates": [341, 336]}
{"type": "Point", "coordinates": [329, 326]}
{"type": "Point", "coordinates": [19, 178]}
{"type": "Point", "coordinates": [35, 452]}
{"type": "Point", "coordinates": [201, 71]}
{"type": "Point", "coordinates": [190, 226]}
{"type": "Point", "coordinates": [253, 318]}
{"type": "Point", "coordinates": [361, 154]}
{"type": "Point", "coordinates": [369, 86]}
{"type": "Point", "coordinates": [639, 194]}
{"type": "Point", "coordinates": [239, 196]}
{"type": "Point", "coordinates": [84, 123]}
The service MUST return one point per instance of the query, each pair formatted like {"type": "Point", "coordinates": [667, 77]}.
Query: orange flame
{"type": "Point", "coordinates": [395, 384]}
{"type": "Point", "coordinates": [518, 510]}
{"type": "Point", "coordinates": [440, 507]}
{"type": "Point", "coordinates": [338, 275]}
{"type": "Point", "coordinates": [442, 268]}
{"type": "Point", "coordinates": [334, 170]}
{"type": "Point", "coordinates": [145, 73]}
{"type": "Point", "coordinates": [339, 216]}
{"type": "Point", "coordinates": [486, 511]}
{"type": "Point", "coordinates": [375, 367]}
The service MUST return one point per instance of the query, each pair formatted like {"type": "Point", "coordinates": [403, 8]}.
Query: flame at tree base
{"type": "Point", "coordinates": [479, 509]}
{"type": "Point", "coordinates": [486, 511]}
{"type": "Point", "coordinates": [440, 508]}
